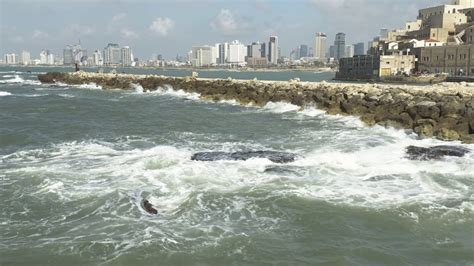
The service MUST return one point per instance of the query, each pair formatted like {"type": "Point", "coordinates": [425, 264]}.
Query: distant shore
{"type": "Point", "coordinates": [205, 69]}
{"type": "Point", "coordinates": [444, 111]}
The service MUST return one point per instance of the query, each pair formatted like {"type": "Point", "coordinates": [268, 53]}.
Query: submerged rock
{"type": "Point", "coordinates": [276, 157]}
{"type": "Point", "coordinates": [284, 170]}
{"type": "Point", "coordinates": [435, 153]}
{"type": "Point", "coordinates": [148, 207]}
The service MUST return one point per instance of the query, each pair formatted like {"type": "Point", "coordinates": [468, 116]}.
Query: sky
{"type": "Point", "coordinates": [171, 27]}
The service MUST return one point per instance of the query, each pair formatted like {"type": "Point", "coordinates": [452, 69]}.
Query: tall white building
{"type": "Point", "coordinates": [97, 58]}
{"type": "Point", "coordinates": [126, 56]}
{"type": "Point", "coordinates": [320, 45]}
{"type": "Point", "coordinates": [349, 52]}
{"type": "Point", "coordinates": [50, 59]}
{"type": "Point", "coordinates": [202, 56]}
{"type": "Point", "coordinates": [273, 49]}
{"type": "Point", "coordinates": [25, 58]}
{"type": "Point", "coordinates": [237, 53]}
{"type": "Point", "coordinates": [44, 57]}
{"type": "Point", "coordinates": [11, 59]}
{"type": "Point", "coordinates": [112, 55]}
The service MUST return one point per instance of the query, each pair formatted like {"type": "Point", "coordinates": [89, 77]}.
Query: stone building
{"type": "Point", "coordinates": [369, 67]}
{"type": "Point", "coordinates": [455, 60]}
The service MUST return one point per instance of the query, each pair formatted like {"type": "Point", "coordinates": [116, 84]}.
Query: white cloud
{"type": "Point", "coordinates": [37, 34]}
{"type": "Point", "coordinates": [118, 17]}
{"type": "Point", "coordinates": [76, 29]}
{"type": "Point", "coordinates": [128, 34]}
{"type": "Point", "coordinates": [162, 26]}
{"type": "Point", "coordinates": [225, 22]}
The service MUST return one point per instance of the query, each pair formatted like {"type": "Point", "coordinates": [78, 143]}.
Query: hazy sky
{"type": "Point", "coordinates": [169, 27]}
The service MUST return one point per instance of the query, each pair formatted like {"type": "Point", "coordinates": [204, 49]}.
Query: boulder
{"type": "Point", "coordinates": [435, 153]}
{"type": "Point", "coordinates": [276, 157]}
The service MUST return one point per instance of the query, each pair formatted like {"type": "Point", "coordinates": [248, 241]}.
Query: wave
{"type": "Point", "coordinates": [15, 79]}
{"type": "Point", "coordinates": [90, 86]}
{"type": "Point", "coordinates": [166, 91]}
{"type": "Point", "coordinates": [4, 93]}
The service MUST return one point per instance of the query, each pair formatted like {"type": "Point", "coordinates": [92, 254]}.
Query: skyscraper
{"type": "Point", "coordinates": [273, 50]}
{"type": "Point", "coordinates": [349, 51]}
{"type": "Point", "coordinates": [359, 48]}
{"type": "Point", "coordinates": [112, 54]}
{"type": "Point", "coordinates": [303, 51]}
{"type": "Point", "coordinates": [25, 57]}
{"type": "Point", "coordinates": [320, 45]}
{"type": "Point", "coordinates": [237, 52]}
{"type": "Point", "coordinates": [223, 53]}
{"type": "Point", "coordinates": [340, 45]}
{"type": "Point", "coordinates": [126, 56]}
{"type": "Point", "coordinates": [72, 52]}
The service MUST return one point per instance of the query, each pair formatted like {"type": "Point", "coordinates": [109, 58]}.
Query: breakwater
{"type": "Point", "coordinates": [444, 111]}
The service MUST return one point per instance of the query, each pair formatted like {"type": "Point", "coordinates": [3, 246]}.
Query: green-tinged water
{"type": "Point", "coordinates": [76, 163]}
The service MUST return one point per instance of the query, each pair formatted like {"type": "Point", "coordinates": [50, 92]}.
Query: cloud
{"type": "Point", "coordinates": [225, 22]}
{"type": "Point", "coordinates": [118, 17]}
{"type": "Point", "coordinates": [76, 29]}
{"type": "Point", "coordinates": [162, 26]}
{"type": "Point", "coordinates": [230, 23]}
{"type": "Point", "coordinates": [37, 34]}
{"type": "Point", "coordinates": [16, 39]}
{"type": "Point", "coordinates": [128, 34]}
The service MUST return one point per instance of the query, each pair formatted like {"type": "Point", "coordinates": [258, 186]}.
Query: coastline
{"type": "Point", "coordinates": [444, 111]}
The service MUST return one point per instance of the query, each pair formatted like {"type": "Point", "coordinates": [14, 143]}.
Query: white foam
{"type": "Point", "coordinates": [15, 79]}
{"type": "Point", "coordinates": [170, 91]}
{"type": "Point", "coordinates": [4, 93]}
{"type": "Point", "coordinates": [281, 107]}
{"type": "Point", "coordinates": [90, 86]}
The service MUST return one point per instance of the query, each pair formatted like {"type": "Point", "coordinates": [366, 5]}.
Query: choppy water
{"type": "Point", "coordinates": [76, 162]}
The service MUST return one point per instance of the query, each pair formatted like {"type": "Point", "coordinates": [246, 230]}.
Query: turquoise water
{"type": "Point", "coordinates": [76, 162]}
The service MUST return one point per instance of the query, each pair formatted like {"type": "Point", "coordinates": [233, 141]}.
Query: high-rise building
{"type": "Point", "coordinates": [340, 45]}
{"type": "Point", "coordinates": [303, 51]}
{"type": "Point", "coordinates": [320, 45]}
{"type": "Point", "coordinates": [349, 52]}
{"type": "Point", "coordinates": [256, 50]}
{"type": "Point", "coordinates": [44, 57]}
{"type": "Point", "coordinates": [222, 53]}
{"type": "Point", "coordinates": [126, 56]}
{"type": "Point", "coordinates": [332, 51]}
{"type": "Point", "coordinates": [237, 53]}
{"type": "Point", "coordinates": [112, 55]}
{"type": "Point", "coordinates": [50, 59]}
{"type": "Point", "coordinates": [273, 50]}
{"type": "Point", "coordinates": [11, 59]}
{"type": "Point", "coordinates": [25, 58]}
{"type": "Point", "coordinates": [201, 56]}
{"type": "Point", "coordinates": [97, 58]}
{"type": "Point", "coordinates": [359, 48]}
{"type": "Point", "coordinates": [73, 54]}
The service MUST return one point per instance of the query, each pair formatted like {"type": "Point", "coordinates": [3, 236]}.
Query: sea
{"type": "Point", "coordinates": [77, 162]}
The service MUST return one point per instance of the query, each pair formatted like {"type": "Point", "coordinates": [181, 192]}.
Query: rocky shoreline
{"type": "Point", "coordinates": [444, 111]}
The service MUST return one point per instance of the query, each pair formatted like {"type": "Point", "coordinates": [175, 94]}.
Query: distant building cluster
{"type": "Point", "coordinates": [235, 53]}
{"type": "Point", "coordinates": [439, 41]}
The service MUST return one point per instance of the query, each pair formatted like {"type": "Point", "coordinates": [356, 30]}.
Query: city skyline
{"type": "Point", "coordinates": [174, 27]}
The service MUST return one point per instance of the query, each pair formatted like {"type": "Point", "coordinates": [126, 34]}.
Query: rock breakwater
{"type": "Point", "coordinates": [444, 111]}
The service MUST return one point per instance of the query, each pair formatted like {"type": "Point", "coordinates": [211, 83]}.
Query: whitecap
{"type": "Point", "coordinates": [90, 86]}
{"type": "Point", "coordinates": [16, 79]}
{"type": "Point", "coordinates": [281, 107]}
{"type": "Point", "coordinates": [4, 93]}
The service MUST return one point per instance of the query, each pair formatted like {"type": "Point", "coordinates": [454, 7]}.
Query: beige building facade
{"type": "Point", "coordinates": [456, 60]}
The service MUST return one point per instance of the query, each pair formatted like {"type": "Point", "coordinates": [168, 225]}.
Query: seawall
{"type": "Point", "coordinates": [444, 111]}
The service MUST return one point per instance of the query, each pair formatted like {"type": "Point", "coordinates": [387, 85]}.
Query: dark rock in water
{"type": "Point", "coordinates": [380, 178]}
{"type": "Point", "coordinates": [435, 153]}
{"type": "Point", "coordinates": [283, 170]}
{"type": "Point", "coordinates": [276, 157]}
{"type": "Point", "coordinates": [149, 208]}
